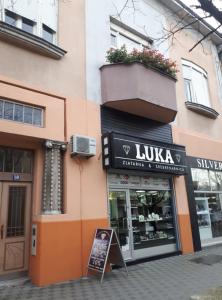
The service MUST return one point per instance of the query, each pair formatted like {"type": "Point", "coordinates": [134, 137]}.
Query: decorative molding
{"type": "Point", "coordinates": [202, 109]}
{"type": "Point", "coordinates": [21, 38]}
{"type": "Point", "coordinates": [52, 198]}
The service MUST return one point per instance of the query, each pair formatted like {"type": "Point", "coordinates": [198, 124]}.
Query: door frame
{"type": "Point", "coordinates": [128, 254]}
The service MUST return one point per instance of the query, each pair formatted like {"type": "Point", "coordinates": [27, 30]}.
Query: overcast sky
{"type": "Point", "coordinates": [212, 21]}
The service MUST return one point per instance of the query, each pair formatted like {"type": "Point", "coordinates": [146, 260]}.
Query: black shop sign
{"type": "Point", "coordinates": [204, 163]}
{"type": "Point", "coordinates": [126, 152]}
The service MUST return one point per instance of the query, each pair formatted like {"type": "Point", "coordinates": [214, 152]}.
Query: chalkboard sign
{"type": "Point", "coordinates": [105, 249]}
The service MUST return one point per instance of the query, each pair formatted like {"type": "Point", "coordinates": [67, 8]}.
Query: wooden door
{"type": "Point", "coordinates": [15, 208]}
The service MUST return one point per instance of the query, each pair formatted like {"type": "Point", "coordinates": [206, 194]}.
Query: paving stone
{"type": "Point", "coordinates": [173, 278]}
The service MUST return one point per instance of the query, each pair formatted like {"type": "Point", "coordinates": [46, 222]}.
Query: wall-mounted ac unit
{"type": "Point", "coordinates": [83, 145]}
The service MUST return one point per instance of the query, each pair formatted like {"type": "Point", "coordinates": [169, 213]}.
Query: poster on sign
{"type": "Point", "coordinates": [105, 249]}
{"type": "Point", "coordinates": [99, 250]}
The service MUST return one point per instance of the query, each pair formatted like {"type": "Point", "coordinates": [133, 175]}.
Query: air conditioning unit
{"type": "Point", "coordinates": [83, 145]}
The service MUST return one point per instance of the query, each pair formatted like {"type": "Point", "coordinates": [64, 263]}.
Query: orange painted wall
{"type": "Point", "coordinates": [183, 217]}
{"type": "Point", "coordinates": [62, 250]}
{"type": "Point", "coordinates": [185, 233]}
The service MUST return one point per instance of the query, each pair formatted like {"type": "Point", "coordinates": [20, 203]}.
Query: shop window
{"type": "Point", "coordinates": [208, 197]}
{"type": "Point", "coordinates": [47, 33]}
{"type": "Point", "coordinates": [123, 35]}
{"type": "Point", "coordinates": [200, 180]}
{"type": "Point", "coordinates": [195, 84]}
{"type": "Point", "coordinates": [142, 213]}
{"type": "Point", "coordinates": [152, 218]}
{"type": "Point", "coordinates": [13, 111]}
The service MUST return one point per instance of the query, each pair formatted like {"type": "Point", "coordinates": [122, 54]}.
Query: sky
{"type": "Point", "coordinates": [212, 21]}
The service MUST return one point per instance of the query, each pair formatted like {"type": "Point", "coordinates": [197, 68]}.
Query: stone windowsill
{"type": "Point", "coordinates": [202, 110]}
{"type": "Point", "coordinates": [18, 37]}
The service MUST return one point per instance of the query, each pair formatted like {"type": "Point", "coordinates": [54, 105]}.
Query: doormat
{"type": "Point", "coordinates": [209, 259]}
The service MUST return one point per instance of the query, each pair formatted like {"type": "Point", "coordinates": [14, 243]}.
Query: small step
{"type": "Point", "coordinates": [14, 279]}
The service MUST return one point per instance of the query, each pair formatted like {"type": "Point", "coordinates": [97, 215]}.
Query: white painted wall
{"type": "Point", "coordinates": [218, 71]}
{"type": "Point", "coordinates": [148, 19]}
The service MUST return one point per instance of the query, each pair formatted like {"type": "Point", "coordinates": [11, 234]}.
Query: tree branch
{"type": "Point", "coordinates": [209, 7]}
{"type": "Point", "coordinates": [204, 37]}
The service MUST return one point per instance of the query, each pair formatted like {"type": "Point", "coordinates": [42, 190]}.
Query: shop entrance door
{"type": "Point", "coordinates": [120, 219]}
{"type": "Point", "coordinates": [15, 206]}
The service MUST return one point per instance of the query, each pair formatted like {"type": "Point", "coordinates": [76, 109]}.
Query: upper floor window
{"type": "Point", "coordinates": [47, 33]}
{"type": "Point", "coordinates": [121, 34]}
{"type": "Point", "coordinates": [10, 18]}
{"type": "Point", "coordinates": [195, 83]}
{"type": "Point", "coordinates": [18, 112]}
{"type": "Point", "coordinates": [33, 17]}
{"type": "Point", "coordinates": [27, 25]}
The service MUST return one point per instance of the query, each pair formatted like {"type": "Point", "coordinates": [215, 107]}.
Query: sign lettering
{"type": "Point", "coordinates": [203, 163]}
{"type": "Point", "coordinates": [127, 152]}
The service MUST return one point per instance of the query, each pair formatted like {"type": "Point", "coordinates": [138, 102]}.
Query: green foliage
{"type": "Point", "coordinates": [148, 57]}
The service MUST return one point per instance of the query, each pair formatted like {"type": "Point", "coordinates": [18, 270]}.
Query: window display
{"type": "Point", "coordinates": [152, 218]}
{"type": "Point", "coordinates": [142, 213]}
{"type": "Point", "coordinates": [208, 197]}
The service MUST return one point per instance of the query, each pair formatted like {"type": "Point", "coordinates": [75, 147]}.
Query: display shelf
{"type": "Point", "coordinates": [205, 212]}
{"type": "Point", "coordinates": [166, 238]}
{"type": "Point", "coordinates": [201, 227]}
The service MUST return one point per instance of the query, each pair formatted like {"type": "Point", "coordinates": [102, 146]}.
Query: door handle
{"type": "Point", "coordinates": [2, 231]}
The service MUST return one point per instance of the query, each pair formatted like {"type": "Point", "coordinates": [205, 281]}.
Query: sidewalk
{"type": "Point", "coordinates": [174, 278]}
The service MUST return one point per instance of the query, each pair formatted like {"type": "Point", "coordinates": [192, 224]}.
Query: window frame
{"type": "Point", "coordinates": [118, 29]}
{"type": "Point", "coordinates": [37, 27]}
{"type": "Point", "coordinates": [9, 12]}
{"type": "Point", "coordinates": [33, 24]}
{"type": "Point", "coordinates": [4, 101]}
{"type": "Point", "coordinates": [203, 83]}
{"type": "Point", "coordinates": [47, 29]}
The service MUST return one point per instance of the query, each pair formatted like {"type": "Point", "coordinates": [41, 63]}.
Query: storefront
{"type": "Point", "coordinates": [207, 185]}
{"type": "Point", "coordinates": [141, 203]}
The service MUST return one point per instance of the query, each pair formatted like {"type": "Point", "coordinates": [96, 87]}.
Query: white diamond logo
{"type": "Point", "coordinates": [126, 149]}
{"type": "Point", "coordinates": [178, 157]}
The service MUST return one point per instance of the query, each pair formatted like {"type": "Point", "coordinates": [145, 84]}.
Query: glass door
{"type": "Point", "coordinates": [119, 219]}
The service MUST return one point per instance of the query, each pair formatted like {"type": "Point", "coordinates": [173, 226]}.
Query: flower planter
{"type": "Point", "coordinates": [139, 90]}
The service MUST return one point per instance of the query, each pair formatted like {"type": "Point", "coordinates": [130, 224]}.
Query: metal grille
{"type": "Point", "coordinates": [120, 122]}
{"type": "Point", "coordinates": [14, 160]}
{"type": "Point", "coordinates": [16, 211]}
{"type": "Point", "coordinates": [82, 144]}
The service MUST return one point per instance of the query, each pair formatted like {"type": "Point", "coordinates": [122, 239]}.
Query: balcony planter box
{"type": "Point", "coordinates": [139, 90]}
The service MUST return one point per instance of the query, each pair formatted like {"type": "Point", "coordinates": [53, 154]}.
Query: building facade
{"type": "Point", "coordinates": [155, 176]}
{"type": "Point", "coordinates": [157, 202]}
{"type": "Point", "coordinates": [43, 104]}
